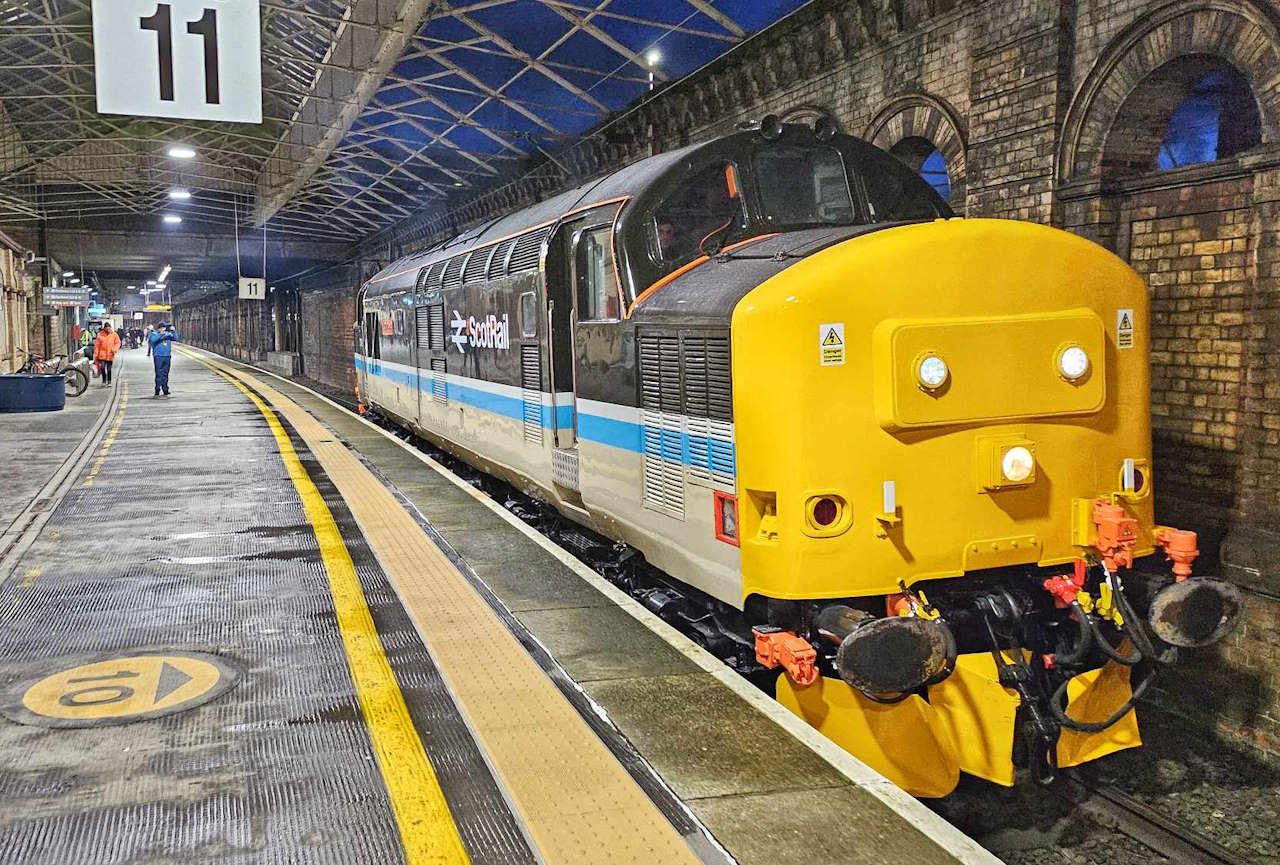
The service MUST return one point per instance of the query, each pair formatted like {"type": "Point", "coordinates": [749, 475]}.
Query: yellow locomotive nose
{"type": "Point", "coordinates": [955, 403]}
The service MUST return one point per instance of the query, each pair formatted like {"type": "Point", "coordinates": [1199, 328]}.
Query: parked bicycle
{"type": "Point", "coordinates": [76, 380]}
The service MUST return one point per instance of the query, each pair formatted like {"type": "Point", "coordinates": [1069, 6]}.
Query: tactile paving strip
{"type": "Point", "coordinates": [577, 801]}
{"type": "Point", "coordinates": [279, 769]}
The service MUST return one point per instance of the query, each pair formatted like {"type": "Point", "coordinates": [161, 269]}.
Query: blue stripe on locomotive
{"type": "Point", "coordinates": [675, 447]}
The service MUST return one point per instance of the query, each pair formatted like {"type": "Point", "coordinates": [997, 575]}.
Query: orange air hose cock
{"type": "Point", "coordinates": [1181, 547]}
{"type": "Point", "coordinates": [778, 648]}
{"type": "Point", "coordinates": [1117, 534]}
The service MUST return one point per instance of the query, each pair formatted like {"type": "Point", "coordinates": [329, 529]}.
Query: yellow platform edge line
{"type": "Point", "coordinates": [426, 824]}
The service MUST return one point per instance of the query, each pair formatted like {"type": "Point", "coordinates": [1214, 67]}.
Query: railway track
{"type": "Point", "coordinates": [1115, 809]}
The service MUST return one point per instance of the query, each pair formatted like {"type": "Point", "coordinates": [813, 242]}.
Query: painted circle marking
{"type": "Point", "coordinates": [120, 689]}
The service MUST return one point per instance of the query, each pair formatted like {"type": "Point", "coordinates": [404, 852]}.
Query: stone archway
{"type": "Point", "coordinates": [1239, 32]}
{"type": "Point", "coordinates": [920, 116]}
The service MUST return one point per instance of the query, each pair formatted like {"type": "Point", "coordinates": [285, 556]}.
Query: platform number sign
{"type": "Point", "coordinates": [252, 288]}
{"type": "Point", "coordinates": [188, 59]}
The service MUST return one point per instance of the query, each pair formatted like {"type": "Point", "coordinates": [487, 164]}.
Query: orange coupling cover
{"type": "Point", "coordinates": [1117, 534]}
{"type": "Point", "coordinates": [1181, 546]}
{"type": "Point", "coordinates": [778, 648]}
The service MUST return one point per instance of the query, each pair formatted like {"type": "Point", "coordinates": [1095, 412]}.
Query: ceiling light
{"type": "Point", "coordinates": [165, 272]}
{"type": "Point", "coordinates": [132, 288]}
{"type": "Point", "coordinates": [160, 285]}
{"type": "Point", "coordinates": [151, 282]}
{"type": "Point", "coordinates": [182, 152]}
{"type": "Point", "coordinates": [179, 194]}
{"type": "Point", "coordinates": [653, 57]}
{"type": "Point", "coordinates": [75, 282]}
{"type": "Point", "coordinates": [68, 273]}
{"type": "Point", "coordinates": [172, 219]}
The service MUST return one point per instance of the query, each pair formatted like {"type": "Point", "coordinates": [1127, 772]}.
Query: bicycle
{"type": "Point", "coordinates": [76, 381]}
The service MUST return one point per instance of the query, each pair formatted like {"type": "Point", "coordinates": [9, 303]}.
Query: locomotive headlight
{"type": "Point", "coordinates": [932, 372]}
{"type": "Point", "coordinates": [1073, 363]}
{"type": "Point", "coordinates": [1017, 464]}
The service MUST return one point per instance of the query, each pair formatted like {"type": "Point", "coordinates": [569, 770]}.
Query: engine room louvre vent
{"type": "Point", "coordinates": [531, 391]}
{"type": "Point", "coordinates": [662, 423]}
{"type": "Point", "coordinates": [434, 275]}
{"type": "Point", "coordinates": [422, 278]}
{"type": "Point", "coordinates": [497, 266]}
{"type": "Point", "coordinates": [453, 273]}
{"type": "Point", "coordinates": [422, 324]}
{"type": "Point", "coordinates": [435, 328]}
{"type": "Point", "coordinates": [528, 251]}
{"type": "Point", "coordinates": [439, 391]}
{"type": "Point", "coordinates": [708, 408]}
{"type": "Point", "coordinates": [475, 269]}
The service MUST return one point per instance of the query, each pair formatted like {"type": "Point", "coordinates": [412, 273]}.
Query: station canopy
{"type": "Point", "coordinates": [373, 110]}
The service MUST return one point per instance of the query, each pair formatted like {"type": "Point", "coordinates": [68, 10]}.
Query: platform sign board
{"type": "Point", "coordinates": [182, 59]}
{"type": "Point", "coordinates": [66, 296]}
{"type": "Point", "coordinates": [130, 302]}
{"type": "Point", "coordinates": [253, 288]}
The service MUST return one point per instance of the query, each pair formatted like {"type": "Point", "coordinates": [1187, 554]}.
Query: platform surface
{"type": "Point", "coordinates": [254, 628]}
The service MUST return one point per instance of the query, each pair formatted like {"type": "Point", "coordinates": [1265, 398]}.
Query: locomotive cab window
{"type": "Point", "coordinates": [701, 205]}
{"type": "Point", "coordinates": [594, 275]}
{"type": "Point", "coordinates": [803, 186]}
{"type": "Point", "coordinates": [895, 193]}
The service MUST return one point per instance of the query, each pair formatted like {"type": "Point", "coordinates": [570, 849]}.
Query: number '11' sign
{"type": "Point", "coordinates": [191, 59]}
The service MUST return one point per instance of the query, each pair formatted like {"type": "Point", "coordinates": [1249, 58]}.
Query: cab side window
{"type": "Point", "coordinates": [700, 206]}
{"type": "Point", "coordinates": [597, 283]}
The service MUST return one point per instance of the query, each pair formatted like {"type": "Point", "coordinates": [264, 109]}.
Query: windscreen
{"type": "Point", "coordinates": [803, 186]}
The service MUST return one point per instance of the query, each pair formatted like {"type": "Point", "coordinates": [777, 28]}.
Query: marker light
{"type": "Point", "coordinates": [1017, 464]}
{"type": "Point", "coordinates": [932, 372]}
{"type": "Point", "coordinates": [1073, 363]}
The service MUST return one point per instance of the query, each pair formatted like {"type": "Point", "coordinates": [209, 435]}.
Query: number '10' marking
{"type": "Point", "coordinates": [161, 23]}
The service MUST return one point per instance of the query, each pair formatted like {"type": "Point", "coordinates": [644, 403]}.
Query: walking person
{"type": "Point", "coordinates": [160, 347]}
{"type": "Point", "coordinates": [104, 351]}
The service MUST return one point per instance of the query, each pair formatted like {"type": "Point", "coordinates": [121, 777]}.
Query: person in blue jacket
{"type": "Point", "coordinates": [160, 347]}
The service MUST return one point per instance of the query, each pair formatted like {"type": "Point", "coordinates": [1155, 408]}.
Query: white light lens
{"type": "Point", "coordinates": [172, 219]}
{"type": "Point", "coordinates": [68, 273]}
{"type": "Point", "coordinates": [933, 372]}
{"type": "Point", "coordinates": [1073, 363]}
{"type": "Point", "coordinates": [182, 153]}
{"type": "Point", "coordinates": [179, 194]}
{"type": "Point", "coordinates": [1017, 464]}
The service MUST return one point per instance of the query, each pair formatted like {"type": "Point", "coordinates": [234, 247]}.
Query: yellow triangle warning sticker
{"type": "Point", "coordinates": [831, 344]}
{"type": "Point", "coordinates": [1126, 323]}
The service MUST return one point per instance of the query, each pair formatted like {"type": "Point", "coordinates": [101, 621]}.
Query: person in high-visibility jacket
{"type": "Point", "coordinates": [104, 351]}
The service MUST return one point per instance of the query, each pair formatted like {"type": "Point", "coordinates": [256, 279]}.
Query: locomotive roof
{"type": "Point", "coordinates": [625, 182]}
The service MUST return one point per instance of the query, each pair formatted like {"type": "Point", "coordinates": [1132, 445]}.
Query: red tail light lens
{"type": "Point", "coordinates": [825, 512]}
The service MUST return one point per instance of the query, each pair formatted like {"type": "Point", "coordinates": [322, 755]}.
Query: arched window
{"type": "Point", "coordinates": [1217, 119]}
{"type": "Point", "coordinates": [926, 160]}
{"type": "Point", "coordinates": [1192, 110]}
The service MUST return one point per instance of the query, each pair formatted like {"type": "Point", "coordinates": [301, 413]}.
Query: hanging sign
{"type": "Point", "coordinates": [253, 288]}
{"type": "Point", "coordinates": [66, 296]}
{"type": "Point", "coordinates": [184, 59]}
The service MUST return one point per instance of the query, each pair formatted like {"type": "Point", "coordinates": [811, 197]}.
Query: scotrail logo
{"type": "Point", "coordinates": [491, 332]}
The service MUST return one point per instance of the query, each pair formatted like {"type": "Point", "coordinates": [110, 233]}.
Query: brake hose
{"type": "Point", "coordinates": [1084, 640]}
{"type": "Point", "coordinates": [1055, 705]}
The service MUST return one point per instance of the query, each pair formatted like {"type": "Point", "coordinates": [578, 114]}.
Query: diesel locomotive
{"type": "Point", "coordinates": [900, 459]}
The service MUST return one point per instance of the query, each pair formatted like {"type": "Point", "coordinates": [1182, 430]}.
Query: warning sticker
{"type": "Point", "coordinates": [831, 344]}
{"type": "Point", "coordinates": [1124, 328]}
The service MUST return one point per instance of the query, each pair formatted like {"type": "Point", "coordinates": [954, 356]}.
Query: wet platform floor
{"type": "Point", "coordinates": [256, 629]}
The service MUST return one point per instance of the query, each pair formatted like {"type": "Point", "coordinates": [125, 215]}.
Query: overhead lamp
{"type": "Point", "coordinates": [180, 152]}
{"type": "Point", "coordinates": [179, 194]}
{"type": "Point", "coordinates": [172, 218]}
{"type": "Point", "coordinates": [653, 57]}
{"type": "Point", "coordinates": [164, 273]}
{"type": "Point", "coordinates": [160, 285]}
{"type": "Point", "coordinates": [132, 288]}
{"type": "Point", "coordinates": [75, 282]}
{"type": "Point", "coordinates": [68, 273]}
{"type": "Point", "coordinates": [151, 282]}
